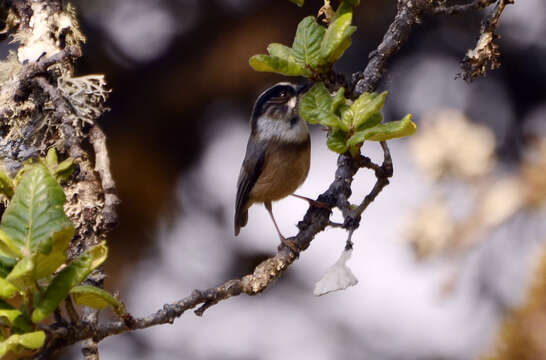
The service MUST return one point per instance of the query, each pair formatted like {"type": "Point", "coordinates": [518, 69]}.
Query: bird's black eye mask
{"type": "Point", "coordinates": [275, 96]}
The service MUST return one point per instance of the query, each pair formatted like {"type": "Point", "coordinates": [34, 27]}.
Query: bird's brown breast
{"type": "Point", "coordinates": [285, 169]}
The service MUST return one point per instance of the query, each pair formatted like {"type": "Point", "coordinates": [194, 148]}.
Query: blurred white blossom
{"type": "Point", "coordinates": [448, 143]}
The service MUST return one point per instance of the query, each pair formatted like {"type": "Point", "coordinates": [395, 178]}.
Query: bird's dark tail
{"type": "Point", "coordinates": [240, 221]}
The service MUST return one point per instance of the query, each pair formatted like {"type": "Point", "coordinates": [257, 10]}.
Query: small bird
{"type": "Point", "coordinates": [277, 154]}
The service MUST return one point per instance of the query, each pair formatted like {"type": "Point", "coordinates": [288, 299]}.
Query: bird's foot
{"type": "Point", "coordinates": [291, 244]}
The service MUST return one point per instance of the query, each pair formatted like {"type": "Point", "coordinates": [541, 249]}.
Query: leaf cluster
{"type": "Point", "coordinates": [314, 49]}
{"type": "Point", "coordinates": [35, 274]}
{"type": "Point", "coordinates": [351, 123]}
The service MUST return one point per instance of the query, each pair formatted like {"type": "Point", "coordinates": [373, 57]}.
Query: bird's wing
{"type": "Point", "coordinates": [250, 172]}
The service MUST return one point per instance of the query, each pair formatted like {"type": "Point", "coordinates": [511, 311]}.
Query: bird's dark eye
{"type": "Point", "coordinates": [283, 94]}
{"type": "Point", "coordinates": [293, 121]}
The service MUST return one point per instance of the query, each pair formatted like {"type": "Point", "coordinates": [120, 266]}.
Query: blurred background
{"type": "Point", "coordinates": [451, 257]}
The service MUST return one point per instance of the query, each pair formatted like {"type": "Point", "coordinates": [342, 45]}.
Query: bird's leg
{"type": "Point", "coordinates": [312, 202]}
{"type": "Point", "coordinates": [291, 244]}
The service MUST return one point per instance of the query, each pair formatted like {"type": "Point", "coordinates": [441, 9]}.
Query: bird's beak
{"type": "Point", "coordinates": [302, 88]}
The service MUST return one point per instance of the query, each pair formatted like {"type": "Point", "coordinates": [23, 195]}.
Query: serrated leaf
{"type": "Point", "coordinates": [96, 298]}
{"type": "Point", "coordinates": [337, 38]}
{"type": "Point", "coordinates": [298, 2]}
{"type": "Point", "coordinates": [35, 222]}
{"type": "Point", "coordinates": [6, 184]}
{"type": "Point", "coordinates": [267, 63]}
{"type": "Point", "coordinates": [317, 107]}
{"type": "Point", "coordinates": [365, 106]}
{"type": "Point", "coordinates": [307, 42]}
{"type": "Point", "coordinates": [337, 141]}
{"type": "Point", "coordinates": [67, 278]}
{"type": "Point", "coordinates": [17, 342]}
{"type": "Point", "coordinates": [36, 212]}
{"type": "Point", "coordinates": [385, 131]}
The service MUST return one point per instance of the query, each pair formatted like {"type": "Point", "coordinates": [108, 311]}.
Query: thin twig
{"type": "Point", "coordinates": [102, 167]}
{"type": "Point", "coordinates": [457, 9]}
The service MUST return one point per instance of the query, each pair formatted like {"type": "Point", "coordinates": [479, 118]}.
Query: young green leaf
{"type": "Point", "coordinates": [337, 141]}
{"type": "Point", "coordinates": [33, 340]}
{"type": "Point", "coordinates": [337, 38]}
{"type": "Point", "coordinates": [7, 289]}
{"type": "Point", "coordinates": [22, 274]}
{"type": "Point", "coordinates": [365, 106]}
{"type": "Point", "coordinates": [67, 278]}
{"type": "Point", "coordinates": [266, 63]}
{"type": "Point", "coordinates": [96, 298]}
{"type": "Point", "coordinates": [51, 158]}
{"type": "Point", "coordinates": [6, 185]}
{"type": "Point", "coordinates": [318, 107]}
{"type": "Point", "coordinates": [373, 120]}
{"type": "Point", "coordinates": [338, 100]}
{"type": "Point", "coordinates": [35, 219]}
{"type": "Point", "coordinates": [385, 131]}
{"type": "Point", "coordinates": [280, 51]}
{"type": "Point", "coordinates": [15, 318]}
{"type": "Point", "coordinates": [307, 42]}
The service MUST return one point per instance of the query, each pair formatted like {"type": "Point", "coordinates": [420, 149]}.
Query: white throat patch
{"type": "Point", "coordinates": [271, 129]}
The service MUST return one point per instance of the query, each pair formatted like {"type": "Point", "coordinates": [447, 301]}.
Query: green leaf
{"type": "Point", "coordinates": [345, 7]}
{"type": "Point", "coordinates": [17, 342]}
{"type": "Point", "coordinates": [372, 121]}
{"type": "Point", "coordinates": [385, 131]}
{"type": "Point", "coordinates": [365, 106]}
{"type": "Point", "coordinates": [22, 274]}
{"type": "Point", "coordinates": [64, 170]}
{"type": "Point", "coordinates": [51, 158]}
{"type": "Point", "coordinates": [96, 298]}
{"type": "Point", "coordinates": [280, 51]}
{"type": "Point", "coordinates": [338, 100]}
{"type": "Point", "coordinates": [15, 318]}
{"type": "Point", "coordinates": [317, 107]}
{"type": "Point", "coordinates": [307, 42]}
{"type": "Point", "coordinates": [298, 2]}
{"type": "Point", "coordinates": [67, 278]}
{"type": "Point", "coordinates": [266, 63]}
{"type": "Point", "coordinates": [7, 289]}
{"type": "Point", "coordinates": [6, 185]}
{"type": "Point", "coordinates": [337, 141]}
{"type": "Point", "coordinates": [337, 38]}
{"type": "Point", "coordinates": [10, 315]}
{"type": "Point", "coordinates": [34, 222]}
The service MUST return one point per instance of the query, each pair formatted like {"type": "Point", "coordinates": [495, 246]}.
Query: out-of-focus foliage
{"type": "Point", "coordinates": [449, 144]}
